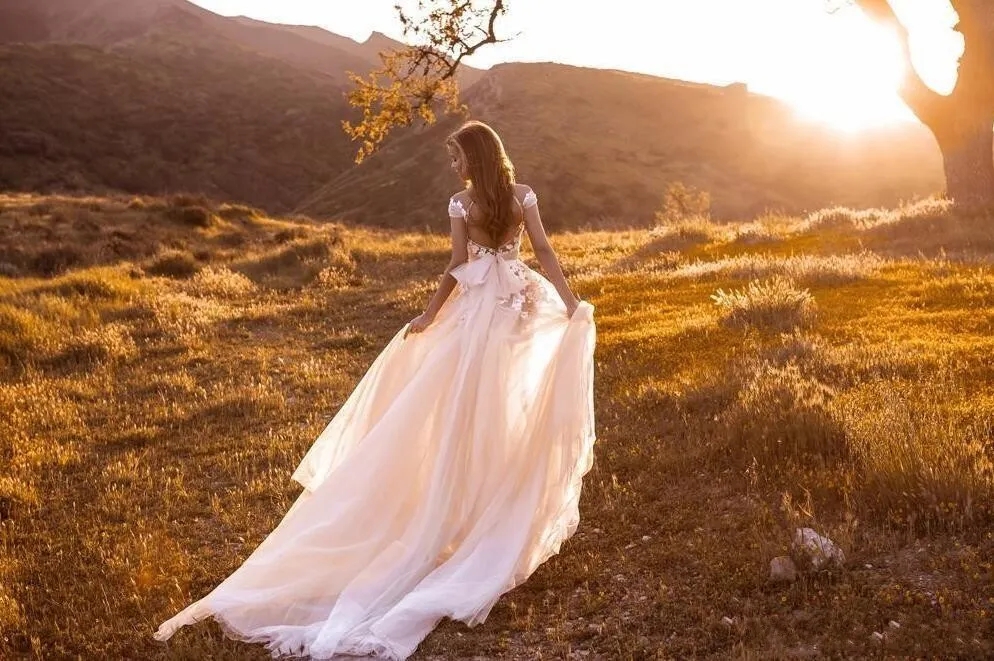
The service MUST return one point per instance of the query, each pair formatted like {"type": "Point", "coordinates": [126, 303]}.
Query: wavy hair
{"type": "Point", "coordinates": [491, 176]}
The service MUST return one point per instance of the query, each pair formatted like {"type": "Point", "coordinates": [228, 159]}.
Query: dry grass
{"type": "Point", "coordinates": [774, 303]}
{"type": "Point", "coordinates": [151, 423]}
{"type": "Point", "coordinates": [813, 269]}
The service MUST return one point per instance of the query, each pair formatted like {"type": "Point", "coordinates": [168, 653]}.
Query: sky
{"type": "Point", "coordinates": [836, 67]}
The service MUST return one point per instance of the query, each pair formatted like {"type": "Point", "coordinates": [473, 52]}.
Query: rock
{"type": "Point", "coordinates": [782, 570]}
{"type": "Point", "coordinates": [821, 551]}
{"type": "Point", "coordinates": [728, 621]}
{"type": "Point", "coordinates": [894, 625]}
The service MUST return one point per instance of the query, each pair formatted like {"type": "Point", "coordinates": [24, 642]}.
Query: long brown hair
{"type": "Point", "coordinates": [491, 174]}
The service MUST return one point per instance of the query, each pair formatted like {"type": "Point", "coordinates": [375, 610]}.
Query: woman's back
{"type": "Point", "coordinates": [463, 204]}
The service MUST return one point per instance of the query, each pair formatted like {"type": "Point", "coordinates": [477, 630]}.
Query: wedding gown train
{"type": "Point", "coordinates": [451, 472]}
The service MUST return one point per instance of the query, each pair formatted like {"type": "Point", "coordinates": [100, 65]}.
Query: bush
{"type": "Point", "coordinates": [818, 269]}
{"type": "Point", "coordinates": [775, 303]}
{"type": "Point", "coordinates": [681, 202]}
{"type": "Point", "coordinates": [196, 216]}
{"type": "Point", "coordinates": [298, 263]}
{"type": "Point", "coordinates": [23, 334]}
{"type": "Point", "coordinates": [53, 261]}
{"type": "Point", "coordinates": [922, 461]}
{"type": "Point", "coordinates": [238, 212]}
{"type": "Point", "coordinates": [174, 264]}
{"type": "Point", "coordinates": [190, 200]}
{"type": "Point", "coordinates": [221, 281]}
{"type": "Point", "coordinates": [106, 343]}
{"type": "Point", "coordinates": [98, 284]}
{"type": "Point", "coordinates": [780, 415]}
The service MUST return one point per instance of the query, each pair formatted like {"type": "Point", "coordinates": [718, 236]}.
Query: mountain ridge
{"type": "Point", "coordinates": [253, 110]}
{"type": "Point", "coordinates": [625, 137]}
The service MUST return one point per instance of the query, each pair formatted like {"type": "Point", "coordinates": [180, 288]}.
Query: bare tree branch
{"type": "Point", "coordinates": [413, 81]}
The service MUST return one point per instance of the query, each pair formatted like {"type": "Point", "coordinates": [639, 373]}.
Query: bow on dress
{"type": "Point", "coordinates": [486, 268]}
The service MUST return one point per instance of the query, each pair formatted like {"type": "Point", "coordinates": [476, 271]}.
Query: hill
{"type": "Point", "coordinates": [829, 371]}
{"type": "Point", "coordinates": [156, 96]}
{"type": "Point", "coordinates": [603, 145]}
{"type": "Point", "coordinates": [167, 113]}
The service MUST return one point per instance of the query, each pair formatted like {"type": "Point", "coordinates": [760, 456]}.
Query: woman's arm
{"type": "Point", "coordinates": [547, 257]}
{"type": "Point", "coordinates": [447, 283]}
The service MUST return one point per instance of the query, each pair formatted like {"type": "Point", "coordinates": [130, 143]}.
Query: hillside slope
{"type": "Point", "coordinates": [161, 391]}
{"type": "Point", "coordinates": [601, 146]}
{"type": "Point", "coordinates": [155, 96]}
{"type": "Point", "coordinates": [167, 113]}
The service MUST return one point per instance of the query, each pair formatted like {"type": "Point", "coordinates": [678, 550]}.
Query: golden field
{"type": "Point", "coordinates": [165, 363]}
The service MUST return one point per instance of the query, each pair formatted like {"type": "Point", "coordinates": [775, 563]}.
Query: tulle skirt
{"type": "Point", "coordinates": [451, 472]}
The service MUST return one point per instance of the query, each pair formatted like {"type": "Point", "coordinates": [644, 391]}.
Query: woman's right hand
{"type": "Point", "coordinates": [572, 306]}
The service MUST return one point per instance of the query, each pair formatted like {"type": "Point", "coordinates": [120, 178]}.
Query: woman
{"type": "Point", "coordinates": [454, 468]}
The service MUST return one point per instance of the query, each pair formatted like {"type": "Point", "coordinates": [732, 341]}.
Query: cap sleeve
{"type": "Point", "coordinates": [530, 200]}
{"type": "Point", "coordinates": [456, 209]}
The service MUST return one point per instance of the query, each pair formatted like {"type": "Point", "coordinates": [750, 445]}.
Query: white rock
{"type": "Point", "coordinates": [877, 636]}
{"type": "Point", "coordinates": [821, 550]}
{"type": "Point", "coordinates": [783, 570]}
{"type": "Point", "coordinates": [728, 621]}
{"type": "Point", "coordinates": [894, 625]}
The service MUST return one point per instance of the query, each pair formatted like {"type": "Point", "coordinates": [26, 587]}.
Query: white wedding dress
{"type": "Point", "coordinates": [450, 473]}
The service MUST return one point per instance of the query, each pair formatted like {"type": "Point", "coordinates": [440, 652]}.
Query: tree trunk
{"type": "Point", "coordinates": [963, 121]}
{"type": "Point", "coordinates": [968, 159]}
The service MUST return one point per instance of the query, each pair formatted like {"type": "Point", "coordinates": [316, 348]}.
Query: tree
{"type": "Point", "coordinates": [963, 121]}
{"type": "Point", "coordinates": [416, 79]}
{"type": "Point", "coordinates": [446, 31]}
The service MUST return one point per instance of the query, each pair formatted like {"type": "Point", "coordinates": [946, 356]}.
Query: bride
{"type": "Point", "coordinates": [454, 468]}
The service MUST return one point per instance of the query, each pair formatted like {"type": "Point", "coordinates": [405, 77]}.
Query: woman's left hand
{"type": "Point", "coordinates": [419, 323]}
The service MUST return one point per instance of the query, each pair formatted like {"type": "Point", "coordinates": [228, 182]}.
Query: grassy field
{"type": "Point", "coordinates": [164, 365]}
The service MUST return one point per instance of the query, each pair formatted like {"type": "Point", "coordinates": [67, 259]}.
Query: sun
{"type": "Point", "coordinates": [852, 82]}
{"type": "Point", "coordinates": [856, 87]}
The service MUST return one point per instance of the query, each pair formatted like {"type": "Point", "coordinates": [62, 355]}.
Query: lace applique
{"type": "Point", "coordinates": [508, 250]}
{"type": "Point", "coordinates": [525, 301]}
{"type": "Point", "coordinates": [456, 209]}
{"type": "Point", "coordinates": [530, 200]}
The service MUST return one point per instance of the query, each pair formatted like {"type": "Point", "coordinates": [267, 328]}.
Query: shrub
{"type": "Point", "coordinates": [173, 264]}
{"type": "Point", "coordinates": [922, 460]}
{"type": "Point", "coordinates": [95, 283]}
{"type": "Point", "coordinates": [298, 263]}
{"type": "Point", "coordinates": [681, 202]}
{"type": "Point", "coordinates": [196, 216]}
{"type": "Point", "coordinates": [23, 335]}
{"type": "Point", "coordinates": [53, 261]}
{"type": "Point", "coordinates": [289, 234]}
{"type": "Point", "coordinates": [238, 212]}
{"type": "Point", "coordinates": [220, 281]}
{"type": "Point", "coordinates": [775, 303]}
{"type": "Point", "coordinates": [16, 496]}
{"type": "Point", "coordinates": [190, 200]}
{"type": "Point", "coordinates": [782, 415]}
{"type": "Point", "coordinates": [106, 343]}
{"type": "Point", "coordinates": [8, 270]}
{"type": "Point", "coordinates": [817, 269]}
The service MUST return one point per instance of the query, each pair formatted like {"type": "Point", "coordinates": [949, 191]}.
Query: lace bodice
{"type": "Point", "coordinates": [510, 249]}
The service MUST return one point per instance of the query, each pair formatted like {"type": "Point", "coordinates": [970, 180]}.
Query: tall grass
{"type": "Point", "coordinates": [775, 303]}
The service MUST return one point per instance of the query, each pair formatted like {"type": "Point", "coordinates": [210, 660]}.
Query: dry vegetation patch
{"type": "Point", "coordinates": [152, 421]}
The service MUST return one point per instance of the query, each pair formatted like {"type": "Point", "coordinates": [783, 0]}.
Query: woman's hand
{"type": "Point", "coordinates": [419, 323]}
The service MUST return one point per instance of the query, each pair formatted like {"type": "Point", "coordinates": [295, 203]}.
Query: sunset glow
{"type": "Point", "coordinates": [836, 67]}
